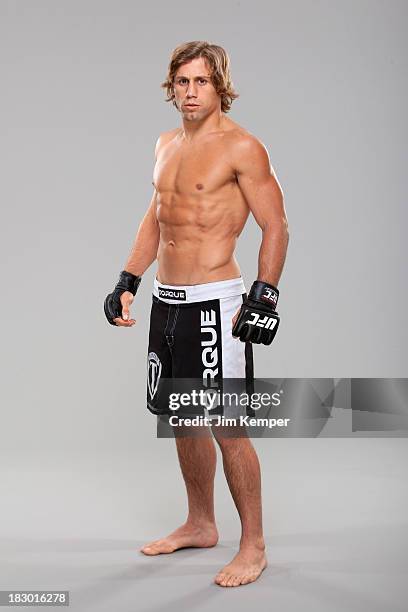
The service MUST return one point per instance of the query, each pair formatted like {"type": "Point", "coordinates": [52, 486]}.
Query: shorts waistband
{"type": "Point", "coordinates": [184, 294]}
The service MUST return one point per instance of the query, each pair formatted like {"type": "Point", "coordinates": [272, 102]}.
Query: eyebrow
{"type": "Point", "coordinates": [202, 76]}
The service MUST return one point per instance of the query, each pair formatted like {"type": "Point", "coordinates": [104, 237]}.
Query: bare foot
{"type": "Point", "coordinates": [247, 565]}
{"type": "Point", "coordinates": [185, 536]}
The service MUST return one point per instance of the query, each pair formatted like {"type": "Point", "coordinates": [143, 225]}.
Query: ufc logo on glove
{"type": "Point", "coordinates": [258, 320]}
{"type": "Point", "coordinates": [266, 322]}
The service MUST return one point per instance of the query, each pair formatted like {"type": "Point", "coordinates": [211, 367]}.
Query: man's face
{"type": "Point", "coordinates": [194, 92]}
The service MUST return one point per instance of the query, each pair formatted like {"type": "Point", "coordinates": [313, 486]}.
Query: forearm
{"type": "Point", "coordinates": [272, 253]}
{"type": "Point", "coordinates": [145, 246]}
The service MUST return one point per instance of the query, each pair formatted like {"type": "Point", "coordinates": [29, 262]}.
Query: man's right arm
{"type": "Point", "coordinates": [146, 243]}
{"type": "Point", "coordinates": [142, 255]}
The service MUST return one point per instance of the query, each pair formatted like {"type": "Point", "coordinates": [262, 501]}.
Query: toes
{"type": "Point", "coordinates": [234, 581]}
{"type": "Point", "coordinates": [251, 578]}
{"type": "Point", "coordinates": [230, 580]}
{"type": "Point", "coordinates": [148, 546]}
{"type": "Point", "coordinates": [221, 579]}
{"type": "Point", "coordinates": [156, 549]}
{"type": "Point", "coordinates": [149, 550]}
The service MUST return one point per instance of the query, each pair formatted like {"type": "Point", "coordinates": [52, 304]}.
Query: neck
{"type": "Point", "coordinates": [194, 129]}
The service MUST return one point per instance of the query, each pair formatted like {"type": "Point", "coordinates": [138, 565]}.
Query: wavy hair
{"type": "Point", "coordinates": [218, 62]}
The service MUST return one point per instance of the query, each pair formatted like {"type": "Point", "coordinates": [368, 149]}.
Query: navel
{"type": "Point", "coordinates": [200, 186]}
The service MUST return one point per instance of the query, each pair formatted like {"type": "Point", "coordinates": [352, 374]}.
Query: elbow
{"type": "Point", "coordinates": [284, 224]}
{"type": "Point", "coordinates": [278, 228]}
{"type": "Point", "coordinates": [285, 227]}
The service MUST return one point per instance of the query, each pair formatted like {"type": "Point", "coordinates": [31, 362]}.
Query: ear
{"type": "Point", "coordinates": [174, 98]}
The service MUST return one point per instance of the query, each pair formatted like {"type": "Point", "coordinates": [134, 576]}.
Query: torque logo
{"type": "Point", "coordinates": [154, 368]}
{"type": "Point", "coordinates": [266, 322]}
{"type": "Point", "coordinates": [209, 355]}
{"type": "Point", "coordinates": [172, 294]}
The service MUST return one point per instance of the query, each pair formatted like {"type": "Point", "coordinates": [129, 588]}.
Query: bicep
{"type": "Point", "coordinates": [259, 185]}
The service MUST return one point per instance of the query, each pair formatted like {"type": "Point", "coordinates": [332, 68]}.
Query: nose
{"type": "Point", "coordinates": [192, 90]}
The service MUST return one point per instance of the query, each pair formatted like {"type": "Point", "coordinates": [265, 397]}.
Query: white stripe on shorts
{"type": "Point", "coordinates": [233, 350]}
{"type": "Point", "coordinates": [183, 294]}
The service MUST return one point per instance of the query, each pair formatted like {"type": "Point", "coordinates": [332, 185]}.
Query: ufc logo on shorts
{"type": "Point", "coordinates": [266, 322]}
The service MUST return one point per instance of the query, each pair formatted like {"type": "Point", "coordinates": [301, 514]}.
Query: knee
{"type": "Point", "coordinates": [230, 441]}
{"type": "Point", "coordinates": [227, 445]}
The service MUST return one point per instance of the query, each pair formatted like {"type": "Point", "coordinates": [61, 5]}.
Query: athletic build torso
{"type": "Point", "coordinates": [200, 208]}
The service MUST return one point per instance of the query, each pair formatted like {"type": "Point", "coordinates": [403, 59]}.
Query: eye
{"type": "Point", "coordinates": [203, 81]}
{"type": "Point", "coordinates": [181, 81]}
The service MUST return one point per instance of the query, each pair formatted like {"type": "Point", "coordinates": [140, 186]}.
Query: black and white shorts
{"type": "Point", "coordinates": [191, 337]}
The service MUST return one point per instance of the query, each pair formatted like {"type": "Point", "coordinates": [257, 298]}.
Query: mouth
{"type": "Point", "coordinates": [191, 106]}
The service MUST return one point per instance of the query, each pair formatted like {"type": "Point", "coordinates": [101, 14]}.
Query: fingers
{"type": "Point", "coordinates": [125, 313]}
{"type": "Point", "coordinates": [235, 317]}
{"type": "Point", "coordinates": [256, 336]}
{"type": "Point", "coordinates": [245, 334]}
{"type": "Point", "coordinates": [122, 323]}
{"type": "Point", "coordinates": [126, 300]}
{"type": "Point", "coordinates": [269, 338]}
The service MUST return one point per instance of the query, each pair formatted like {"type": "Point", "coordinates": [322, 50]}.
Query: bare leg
{"type": "Point", "coordinates": [197, 457]}
{"type": "Point", "coordinates": [242, 471]}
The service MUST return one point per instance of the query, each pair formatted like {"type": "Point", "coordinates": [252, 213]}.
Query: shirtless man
{"type": "Point", "coordinates": [209, 175]}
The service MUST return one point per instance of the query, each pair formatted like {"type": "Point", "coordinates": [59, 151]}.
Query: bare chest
{"type": "Point", "coordinates": [193, 170]}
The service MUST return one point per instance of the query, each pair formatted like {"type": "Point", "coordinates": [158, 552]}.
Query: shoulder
{"type": "Point", "coordinates": [244, 142]}
{"type": "Point", "coordinates": [165, 138]}
{"type": "Point", "coordinates": [245, 148]}
{"type": "Point", "coordinates": [241, 142]}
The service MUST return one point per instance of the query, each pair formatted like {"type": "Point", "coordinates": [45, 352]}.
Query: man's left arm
{"type": "Point", "coordinates": [264, 197]}
{"type": "Point", "coordinates": [257, 320]}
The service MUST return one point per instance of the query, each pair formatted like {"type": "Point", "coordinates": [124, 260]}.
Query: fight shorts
{"type": "Point", "coordinates": [191, 341]}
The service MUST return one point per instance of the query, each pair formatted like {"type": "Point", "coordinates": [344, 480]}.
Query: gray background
{"type": "Point", "coordinates": [85, 481]}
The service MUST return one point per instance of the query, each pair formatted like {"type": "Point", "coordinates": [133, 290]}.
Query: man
{"type": "Point", "coordinates": [210, 173]}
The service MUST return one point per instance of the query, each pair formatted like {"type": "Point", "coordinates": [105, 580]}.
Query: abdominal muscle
{"type": "Point", "coordinates": [195, 261]}
{"type": "Point", "coordinates": [198, 234]}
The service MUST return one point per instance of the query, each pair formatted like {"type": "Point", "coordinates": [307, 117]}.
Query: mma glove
{"type": "Point", "coordinates": [112, 304]}
{"type": "Point", "coordinates": [258, 320]}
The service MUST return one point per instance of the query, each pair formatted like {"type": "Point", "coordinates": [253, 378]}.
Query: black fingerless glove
{"type": "Point", "coordinates": [112, 304]}
{"type": "Point", "coordinates": [258, 320]}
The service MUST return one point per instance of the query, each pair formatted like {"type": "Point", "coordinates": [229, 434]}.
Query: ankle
{"type": "Point", "coordinates": [201, 523]}
{"type": "Point", "coordinates": [253, 543]}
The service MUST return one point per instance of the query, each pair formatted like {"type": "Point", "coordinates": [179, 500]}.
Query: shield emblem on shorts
{"type": "Point", "coordinates": [154, 368]}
